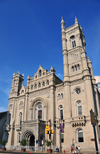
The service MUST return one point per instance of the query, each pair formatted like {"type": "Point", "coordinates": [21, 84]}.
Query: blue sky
{"type": "Point", "coordinates": [30, 35]}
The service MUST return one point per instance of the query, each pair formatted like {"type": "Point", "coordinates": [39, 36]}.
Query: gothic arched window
{"type": "Point", "coordinates": [78, 66]}
{"type": "Point", "coordinates": [43, 84]}
{"type": "Point", "coordinates": [79, 108]}
{"type": "Point", "coordinates": [40, 73]}
{"type": "Point", "coordinates": [39, 85]}
{"type": "Point", "coordinates": [47, 82]}
{"type": "Point", "coordinates": [31, 87]}
{"type": "Point", "coordinates": [35, 86]}
{"type": "Point", "coordinates": [80, 135]}
{"type": "Point", "coordinates": [61, 112]}
{"type": "Point", "coordinates": [9, 118]}
{"type": "Point", "coordinates": [39, 111]}
{"type": "Point", "coordinates": [73, 43]}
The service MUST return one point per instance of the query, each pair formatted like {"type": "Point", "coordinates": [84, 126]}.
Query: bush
{"type": "Point", "coordinates": [48, 143]}
{"type": "Point", "coordinates": [4, 143]}
{"type": "Point", "coordinates": [23, 142]}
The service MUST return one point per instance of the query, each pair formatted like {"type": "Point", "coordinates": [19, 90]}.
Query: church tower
{"type": "Point", "coordinates": [75, 63]}
{"type": "Point", "coordinates": [17, 83]}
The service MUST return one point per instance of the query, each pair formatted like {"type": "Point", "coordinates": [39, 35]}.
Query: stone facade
{"type": "Point", "coordinates": [3, 117]}
{"type": "Point", "coordinates": [46, 97]}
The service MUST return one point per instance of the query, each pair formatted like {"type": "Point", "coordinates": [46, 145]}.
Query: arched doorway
{"type": "Point", "coordinates": [32, 140]}
{"type": "Point", "coordinates": [28, 135]}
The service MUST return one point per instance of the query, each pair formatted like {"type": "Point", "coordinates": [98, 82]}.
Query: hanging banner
{"type": "Point", "coordinates": [62, 128]}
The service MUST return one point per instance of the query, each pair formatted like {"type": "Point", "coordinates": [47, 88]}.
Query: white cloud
{"type": "Point", "coordinates": [59, 75]}
{"type": "Point", "coordinates": [6, 91]}
{"type": "Point", "coordinates": [2, 109]}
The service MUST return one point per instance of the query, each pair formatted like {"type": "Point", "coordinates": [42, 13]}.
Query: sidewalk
{"type": "Point", "coordinates": [45, 152]}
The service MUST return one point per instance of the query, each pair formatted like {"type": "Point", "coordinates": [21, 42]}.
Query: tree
{"type": "Point", "coordinates": [23, 142]}
{"type": "Point", "coordinates": [3, 142]}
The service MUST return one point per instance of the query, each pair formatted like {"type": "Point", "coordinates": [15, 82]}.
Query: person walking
{"type": "Point", "coordinates": [79, 148]}
{"type": "Point", "coordinates": [71, 149]}
{"type": "Point", "coordinates": [76, 149]}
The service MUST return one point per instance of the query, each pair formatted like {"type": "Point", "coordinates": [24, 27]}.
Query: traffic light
{"type": "Point", "coordinates": [52, 131]}
{"type": "Point", "coordinates": [47, 132]}
{"type": "Point", "coordinates": [47, 128]}
{"type": "Point", "coordinates": [54, 123]}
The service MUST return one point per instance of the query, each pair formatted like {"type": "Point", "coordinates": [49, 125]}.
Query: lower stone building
{"type": "Point", "coordinates": [3, 118]}
{"type": "Point", "coordinates": [67, 103]}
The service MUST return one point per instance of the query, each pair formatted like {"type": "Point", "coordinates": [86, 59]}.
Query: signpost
{"type": "Point", "coordinates": [93, 122]}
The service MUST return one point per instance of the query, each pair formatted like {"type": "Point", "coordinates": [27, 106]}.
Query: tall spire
{"type": "Point", "coordinates": [62, 23]}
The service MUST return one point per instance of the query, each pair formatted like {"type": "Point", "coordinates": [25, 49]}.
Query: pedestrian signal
{"type": "Point", "coordinates": [47, 128]}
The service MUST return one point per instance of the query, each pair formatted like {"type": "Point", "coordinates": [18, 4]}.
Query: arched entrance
{"type": "Point", "coordinates": [29, 137]}
{"type": "Point", "coordinates": [32, 140]}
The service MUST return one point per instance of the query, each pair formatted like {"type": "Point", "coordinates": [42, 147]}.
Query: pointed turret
{"type": "Point", "coordinates": [76, 21]}
{"type": "Point", "coordinates": [62, 23]}
{"type": "Point", "coordinates": [18, 72]}
{"type": "Point", "coordinates": [89, 63]}
{"type": "Point", "coordinates": [64, 50]}
{"type": "Point", "coordinates": [52, 69]}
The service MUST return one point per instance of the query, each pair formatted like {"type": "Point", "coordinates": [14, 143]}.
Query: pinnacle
{"type": "Point", "coordinates": [89, 60]}
{"type": "Point", "coordinates": [18, 72]}
{"type": "Point", "coordinates": [62, 21]}
{"type": "Point", "coordinates": [76, 21]}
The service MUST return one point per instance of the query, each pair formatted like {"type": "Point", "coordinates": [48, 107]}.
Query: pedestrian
{"type": "Point", "coordinates": [71, 149]}
{"type": "Point", "coordinates": [76, 149]}
{"type": "Point", "coordinates": [79, 148]}
{"type": "Point", "coordinates": [57, 149]}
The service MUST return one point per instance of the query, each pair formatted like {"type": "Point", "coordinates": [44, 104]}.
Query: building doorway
{"type": "Point", "coordinates": [32, 140]}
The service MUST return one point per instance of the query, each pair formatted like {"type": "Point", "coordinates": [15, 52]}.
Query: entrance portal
{"type": "Point", "coordinates": [32, 140]}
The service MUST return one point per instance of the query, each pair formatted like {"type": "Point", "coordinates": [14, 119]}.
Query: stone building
{"type": "Point", "coordinates": [3, 117]}
{"type": "Point", "coordinates": [46, 97]}
{"type": "Point", "coordinates": [98, 81]}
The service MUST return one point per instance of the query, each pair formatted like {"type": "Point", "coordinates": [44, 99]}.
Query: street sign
{"type": "Point", "coordinates": [93, 121]}
{"type": "Point", "coordinates": [36, 141]}
{"type": "Point", "coordinates": [42, 142]}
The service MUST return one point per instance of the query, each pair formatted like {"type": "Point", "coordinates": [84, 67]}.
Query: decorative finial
{"type": "Point", "coordinates": [76, 21]}
{"type": "Point", "coordinates": [52, 69]}
{"type": "Point", "coordinates": [89, 60]}
{"type": "Point", "coordinates": [18, 72]}
{"type": "Point", "coordinates": [62, 23]}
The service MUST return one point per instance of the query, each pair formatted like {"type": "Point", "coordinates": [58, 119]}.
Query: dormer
{"type": "Point", "coordinates": [40, 73]}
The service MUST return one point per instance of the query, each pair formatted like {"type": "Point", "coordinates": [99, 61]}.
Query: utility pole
{"type": "Point", "coordinates": [50, 135]}
{"type": "Point", "coordinates": [60, 136]}
{"type": "Point", "coordinates": [93, 122]}
{"type": "Point", "coordinates": [59, 127]}
{"type": "Point", "coordinates": [49, 131]}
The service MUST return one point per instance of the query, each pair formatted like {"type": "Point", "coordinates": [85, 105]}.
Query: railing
{"type": "Point", "coordinates": [78, 121]}
{"type": "Point", "coordinates": [28, 148]}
